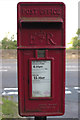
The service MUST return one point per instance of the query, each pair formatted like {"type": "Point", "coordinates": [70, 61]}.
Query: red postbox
{"type": "Point", "coordinates": [41, 58]}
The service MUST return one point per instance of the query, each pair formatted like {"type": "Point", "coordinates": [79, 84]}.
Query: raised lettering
{"type": "Point", "coordinates": [40, 37]}
{"type": "Point", "coordinates": [50, 39]}
{"type": "Point", "coordinates": [46, 11]}
{"type": "Point", "coordinates": [42, 12]}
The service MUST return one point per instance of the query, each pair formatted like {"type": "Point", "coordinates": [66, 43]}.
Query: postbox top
{"type": "Point", "coordinates": [41, 24]}
{"type": "Point", "coordinates": [41, 9]}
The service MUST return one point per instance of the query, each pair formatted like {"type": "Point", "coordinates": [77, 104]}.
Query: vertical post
{"type": "Point", "coordinates": [40, 118]}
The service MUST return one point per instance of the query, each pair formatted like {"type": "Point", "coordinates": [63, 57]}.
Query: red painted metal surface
{"type": "Point", "coordinates": [41, 26]}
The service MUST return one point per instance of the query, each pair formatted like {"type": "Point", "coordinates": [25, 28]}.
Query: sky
{"type": "Point", "coordinates": [8, 17]}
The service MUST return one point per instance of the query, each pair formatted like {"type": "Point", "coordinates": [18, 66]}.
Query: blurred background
{"type": "Point", "coordinates": [8, 59]}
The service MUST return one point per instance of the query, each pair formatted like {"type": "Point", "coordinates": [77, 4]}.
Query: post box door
{"type": "Point", "coordinates": [41, 58]}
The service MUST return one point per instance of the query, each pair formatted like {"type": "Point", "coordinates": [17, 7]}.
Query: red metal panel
{"type": "Point", "coordinates": [41, 26]}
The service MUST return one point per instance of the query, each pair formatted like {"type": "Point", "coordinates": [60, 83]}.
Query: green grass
{"type": "Point", "coordinates": [9, 108]}
{"type": "Point", "coordinates": [0, 107]}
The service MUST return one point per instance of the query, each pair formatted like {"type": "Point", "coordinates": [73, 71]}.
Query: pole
{"type": "Point", "coordinates": [40, 118]}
